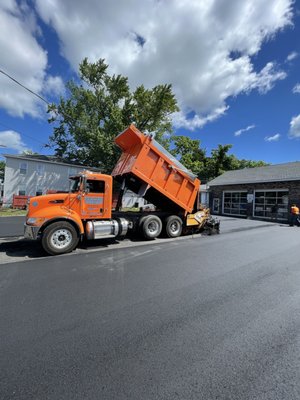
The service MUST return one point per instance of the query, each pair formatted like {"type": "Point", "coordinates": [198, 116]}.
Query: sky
{"type": "Point", "coordinates": [234, 66]}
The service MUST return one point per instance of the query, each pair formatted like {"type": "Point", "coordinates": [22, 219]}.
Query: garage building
{"type": "Point", "coordinates": [252, 192]}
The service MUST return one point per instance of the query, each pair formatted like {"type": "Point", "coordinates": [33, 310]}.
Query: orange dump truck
{"type": "Point", "coordinates": [146, 168]}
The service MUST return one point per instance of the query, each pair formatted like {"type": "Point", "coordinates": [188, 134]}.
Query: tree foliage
{"type": "Point", "coordinates": [101, 106]}
{"type": "Point", "coordinates": [190, 154]}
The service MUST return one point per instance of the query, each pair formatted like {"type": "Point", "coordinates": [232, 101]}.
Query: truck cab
{"type": "Point", "coordinates": [93, 194]}
{"type": "Point", "coordinates": [60, 219]}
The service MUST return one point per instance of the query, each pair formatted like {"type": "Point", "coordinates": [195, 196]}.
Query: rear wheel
{"type": "Point", "coordinates": [151, 227]}
{"type": "Point", "coordinates": [173, 226]}
{"type": "Point", "coordinates": [59, 238]}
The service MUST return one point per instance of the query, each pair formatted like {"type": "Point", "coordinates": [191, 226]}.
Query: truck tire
{"type": "Point", "coordinates": [173, 226]}
{"type": "Point", "coordinates": [59, 238]}
{"type": "Point", "coordinates": [151, 227]}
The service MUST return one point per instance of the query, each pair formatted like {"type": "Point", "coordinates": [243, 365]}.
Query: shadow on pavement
{"type": "Point", "coordinates": [20, 248]}
{"type": "Point", "coordinates": [14, 248]}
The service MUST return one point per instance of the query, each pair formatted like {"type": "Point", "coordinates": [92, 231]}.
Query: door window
{"type": "Point", "coordinates": [216, 204]}
{"type": "Point", "coordinates": [95, 186]}
{"type": "Point", "coordinates": [94, 201]}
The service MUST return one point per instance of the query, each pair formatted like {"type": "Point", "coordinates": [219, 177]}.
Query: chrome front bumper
{"type": "Point", "coordinates": [31, 232]}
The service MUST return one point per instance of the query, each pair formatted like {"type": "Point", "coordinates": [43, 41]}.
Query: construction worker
{"type": "Point", "coordinates": [294, 215]}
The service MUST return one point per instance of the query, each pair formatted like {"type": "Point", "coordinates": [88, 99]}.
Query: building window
{"type": "Point", "coordinates": [72, 171]}
{"type": "Point", "coordinates": [23, 168]}
{"type": "Point", "coordinates": [264, 200]}
{"type": "Point", "coordinates": [22, 190]}
{"type": "Point", "coordinates": [40, 169]}
{"type": "Point", "coordinates": [235, 203]}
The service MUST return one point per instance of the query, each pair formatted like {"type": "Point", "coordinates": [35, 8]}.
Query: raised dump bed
{"type": "Point", "coordinates": [153, 173]}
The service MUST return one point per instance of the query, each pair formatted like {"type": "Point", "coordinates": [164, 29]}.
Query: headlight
{"type": "Point", "coordinates": [35, 221]}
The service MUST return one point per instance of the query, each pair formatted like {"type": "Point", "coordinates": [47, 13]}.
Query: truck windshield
{"type": "Point", "coordinates": [74, 184]}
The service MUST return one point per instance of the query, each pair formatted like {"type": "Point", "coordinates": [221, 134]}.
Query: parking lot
{"type": "Point", "coordinates": [197, 317]}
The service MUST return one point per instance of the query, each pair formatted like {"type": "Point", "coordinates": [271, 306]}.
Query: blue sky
{"type": "Point", "coordinates": [234, 66]}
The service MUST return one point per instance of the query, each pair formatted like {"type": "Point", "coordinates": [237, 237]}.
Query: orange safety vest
{"type": "Point", "coordinates": [294, 210]}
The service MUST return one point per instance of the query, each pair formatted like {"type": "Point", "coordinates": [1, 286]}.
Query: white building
{"type": "Point", "coordinates": [33, 175]}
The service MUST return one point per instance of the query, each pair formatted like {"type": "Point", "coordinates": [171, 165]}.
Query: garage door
{"type": "Point", "coordinates": [264, 200]}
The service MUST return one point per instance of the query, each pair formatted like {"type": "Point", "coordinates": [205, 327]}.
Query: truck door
{"type": "Point", "coordinates": [95, 201]}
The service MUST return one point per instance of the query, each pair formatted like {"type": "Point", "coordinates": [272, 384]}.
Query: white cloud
{"type": "Point", "coordinates": [292, 56]}
{"type": "Point", "coordinates": [25, 60]}
{"type": "Point", "coordinates": [54, 85]}
{"type": "Point", "coordinates": [181, 120]}
{"type": "Point", "coordinates": [295, 127]}
{"type": "Point", "coordinates": [266, 78]}
{"type": "Point", "coordinates": [296, 88]}
{"type": "Point", "coordinates": [273, 138]}
{"type": "Point", "coordinates": [240, 131]}
{"type": "Point", "coordinates": [12, 140]}
{"type": "Point", "coordinates": [203, 47]}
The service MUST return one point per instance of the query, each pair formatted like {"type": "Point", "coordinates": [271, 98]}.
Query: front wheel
{"type": "Point", "coordinates": [59, 238]}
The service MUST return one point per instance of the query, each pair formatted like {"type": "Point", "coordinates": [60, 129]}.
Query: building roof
{"type": "Point", "coordinates": [271, 173]}
{"type": "Point", "coordinates": [48, 159]}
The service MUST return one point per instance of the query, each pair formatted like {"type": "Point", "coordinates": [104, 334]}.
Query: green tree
{"type": "Point", "coordinates": [194, 158]}
{"type": "Point", "coordinates": [220, 161]}
{"type": "Point", "coordinates": [99, 107]}
{"type": "Point", "coordinates": [250, 164]}
{"type": "Point", "coordinates": [190, 154]}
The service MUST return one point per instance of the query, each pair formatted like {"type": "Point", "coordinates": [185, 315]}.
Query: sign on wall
{"type": "Point", "coordinates": [250, 197]}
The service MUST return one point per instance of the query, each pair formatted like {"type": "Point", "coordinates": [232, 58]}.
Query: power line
{"type": "Point", "coordinates": [37, 95]}
{"type": "Point", "coordinates": [24, 87]}
{"type": "Point", "coordinates": [33, 93]}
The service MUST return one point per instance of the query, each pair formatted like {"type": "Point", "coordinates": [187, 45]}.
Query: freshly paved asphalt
{"type": "Point", "coordinates": [202, 318]}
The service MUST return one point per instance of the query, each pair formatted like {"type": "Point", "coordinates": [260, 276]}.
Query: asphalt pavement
{"type": "Point", "coordinates": [213, 317]}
